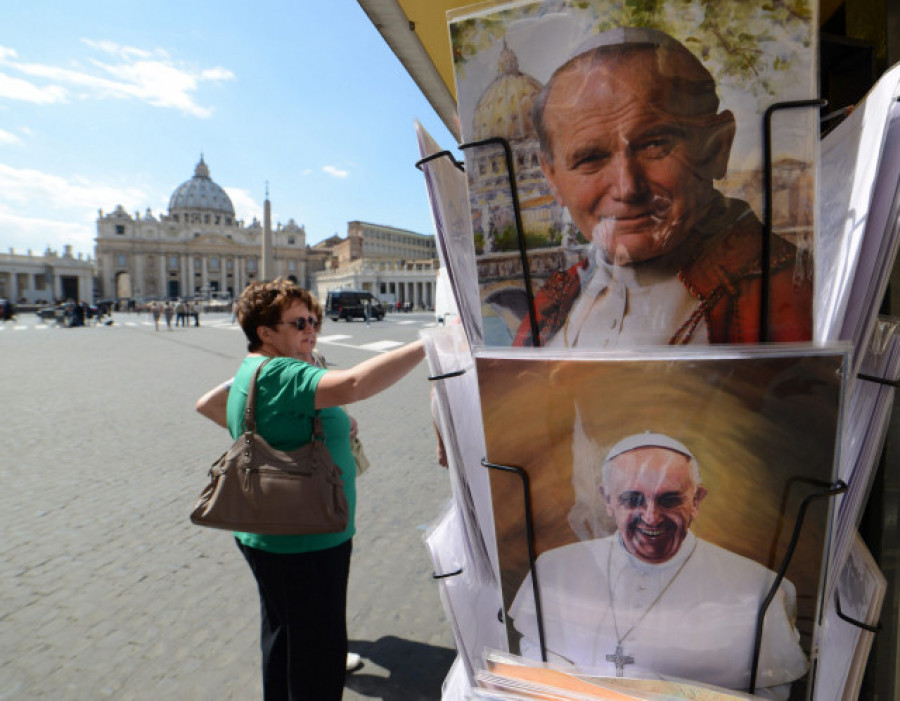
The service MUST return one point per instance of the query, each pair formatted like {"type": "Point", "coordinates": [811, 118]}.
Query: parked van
{"type": "Point", "coordinates": [351, 304]}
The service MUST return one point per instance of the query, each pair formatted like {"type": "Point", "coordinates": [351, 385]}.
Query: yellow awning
{"type": "Point", "coordinates": [416, 31]}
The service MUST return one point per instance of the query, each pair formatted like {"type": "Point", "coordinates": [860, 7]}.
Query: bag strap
{"type": "Point", "coordinates": [318, 432]}
{"type": "Point", "coordinates": [250, 406]}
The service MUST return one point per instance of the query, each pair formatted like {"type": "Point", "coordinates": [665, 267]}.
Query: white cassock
{"type": "Point", "coordinates": [627, 305]}
{"type": "Point", "coordinates": [692, 617]}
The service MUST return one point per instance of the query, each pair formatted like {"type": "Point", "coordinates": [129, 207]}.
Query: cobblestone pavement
{"type": "Point", "coordinates": [108, 591]}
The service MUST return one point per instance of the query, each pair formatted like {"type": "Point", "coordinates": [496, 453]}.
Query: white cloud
{"type": "Point", "coordinates": [336, 172]}
{"type": "Point", "coordinates": [150, 76]}
{"type": "Point", "coordinates": [111, 47]}
{"type": "Point", "coordinates": [245, 205]}
{"type": "Point", "coordinates": [18, 89]}
{"type": "Point", "coordinates": [24, 232]}
{"type": "Point", "coordinates": [158, 84]}
{"type": "Point", "coordinates": [22, 186]}
{"type": "Point", "coordinates": [217, 73]}
{"type": "Point", "coordinates": [38, 209]}
{"type": "Point", "coordinates": [7, 138]}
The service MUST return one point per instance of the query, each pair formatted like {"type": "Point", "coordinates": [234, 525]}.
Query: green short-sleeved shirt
{"type": "Point", "coordinates": [285, 404]}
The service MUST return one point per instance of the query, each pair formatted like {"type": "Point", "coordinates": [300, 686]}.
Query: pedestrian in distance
{"type": "Point", "coordinates": [155, 312]}
{"type": "Point", "coordinates": [9, 312]}
{"type": "Point", "coordinates": [169, 313]}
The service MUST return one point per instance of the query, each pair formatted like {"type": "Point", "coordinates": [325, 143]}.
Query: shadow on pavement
{"type": "Point", "coordinates": [415, 670]}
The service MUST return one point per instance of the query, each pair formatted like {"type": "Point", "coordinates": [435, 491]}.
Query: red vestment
{"type": "Point", "coordinates": [723, 273]}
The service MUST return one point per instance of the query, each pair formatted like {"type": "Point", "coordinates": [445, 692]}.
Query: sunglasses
{"type": "Point", "coordinates": [301, 323]}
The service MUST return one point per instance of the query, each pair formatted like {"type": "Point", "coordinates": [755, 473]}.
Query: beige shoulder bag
{"type": "Point", "coordinates": [255, 488]}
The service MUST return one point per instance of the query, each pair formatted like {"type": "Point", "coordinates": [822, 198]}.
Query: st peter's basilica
{"type": "Point", "coordinates": [198, 248]}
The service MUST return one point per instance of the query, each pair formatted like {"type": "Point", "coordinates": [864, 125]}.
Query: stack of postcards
{"type": "Point", "coordinates": [510, 678]}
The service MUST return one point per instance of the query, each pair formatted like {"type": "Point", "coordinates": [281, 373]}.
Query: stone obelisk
{"type": "Point", "coordinates": [267, 271]}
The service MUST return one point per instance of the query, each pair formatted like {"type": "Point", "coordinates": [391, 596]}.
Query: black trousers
{"type": "Point", "coordinates": [303, 636]}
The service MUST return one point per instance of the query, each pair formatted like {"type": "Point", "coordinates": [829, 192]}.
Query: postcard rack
{"type": "Point", "coordinates": [852, 621]}
{"type": "Point", "coordinates": [837, 599]}
{"type": "Point", "coordinates": [440, 154]}
{"type": "Point", "coordinates": [819, 490]}
{"type": "Point", "coordinates": [435, 378]}
{"type": "Point", "coordinates": [878, 380]}
{"type": "Point", "coordinates": [826, 490]}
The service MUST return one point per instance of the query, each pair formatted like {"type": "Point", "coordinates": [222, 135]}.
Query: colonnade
{"type": "Point", "coordinates": [177, 274]}
{"type": "Point", "coordinates": [418, 293]}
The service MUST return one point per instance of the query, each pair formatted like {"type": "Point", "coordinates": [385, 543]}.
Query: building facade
{"type": "Point", "coordinates": [197, 249]}
{"type": "Point", "coordinates": [395, 265]}
{"type": "Point", "coordinates": [50, 277]}
{"type": "Point", "coordinates": [378, 242]}
{"type": "Point", "coordinates": [200, 249]}
{"type": "Point", "coordinates": [407, 282]}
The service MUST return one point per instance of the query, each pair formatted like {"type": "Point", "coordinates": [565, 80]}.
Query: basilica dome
{"type": "Point", "coordinates": [505, 107]}
{"type": "Point", "coordinates": [200, 194]}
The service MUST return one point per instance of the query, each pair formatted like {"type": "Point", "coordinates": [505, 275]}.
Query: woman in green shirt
{"type": "Point", "coordinates": [302, 579]}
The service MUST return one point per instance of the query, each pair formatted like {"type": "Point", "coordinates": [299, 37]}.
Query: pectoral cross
{"type": "Point", "coordinates": [620, 659]}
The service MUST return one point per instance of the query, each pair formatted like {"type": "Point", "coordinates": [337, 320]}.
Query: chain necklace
{"type": "Point", "coordinates": [619, 658]}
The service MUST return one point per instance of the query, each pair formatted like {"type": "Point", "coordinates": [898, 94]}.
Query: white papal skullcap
{"type": "Point", "coordinates": [622, 36]}
{"type": "Point", "coordinates": [647, 440]}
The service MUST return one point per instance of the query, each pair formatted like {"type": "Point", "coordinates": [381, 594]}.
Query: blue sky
{"type": "Point", "coordinates": [105, 103]}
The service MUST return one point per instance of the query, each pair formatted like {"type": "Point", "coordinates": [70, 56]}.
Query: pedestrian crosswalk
{"type": "Point", "coordinates": [360, 336]}
{"type": "Point", "coordinates": [381, 345]}
{"type": "Point", "coordinates": [334, 338]}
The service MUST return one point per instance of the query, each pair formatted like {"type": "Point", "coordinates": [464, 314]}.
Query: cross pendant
{"type": "Point", "coordinates": [620, 659]}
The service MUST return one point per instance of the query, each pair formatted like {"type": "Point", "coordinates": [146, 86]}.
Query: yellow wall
{"type": "Point", "coordinates": [430, 19]}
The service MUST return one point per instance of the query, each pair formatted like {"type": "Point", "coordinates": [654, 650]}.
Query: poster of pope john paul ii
{"type": "Point", "coordinates": [635, 135]}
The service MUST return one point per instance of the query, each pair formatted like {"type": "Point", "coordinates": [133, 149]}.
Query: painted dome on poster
{"type": "Point", "coordinates": [505, 106]}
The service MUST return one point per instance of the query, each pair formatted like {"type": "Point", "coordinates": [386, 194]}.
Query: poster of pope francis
{"type": "Point", "coordinates": [664, 494]}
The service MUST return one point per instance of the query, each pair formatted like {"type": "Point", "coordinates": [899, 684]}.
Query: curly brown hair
{"type": "Point", "coordinates": [263, 303]}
